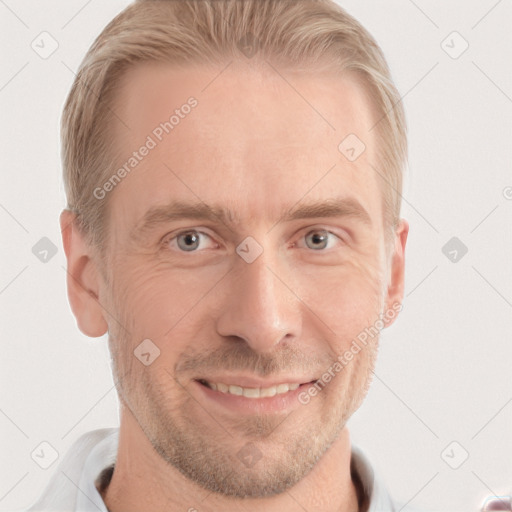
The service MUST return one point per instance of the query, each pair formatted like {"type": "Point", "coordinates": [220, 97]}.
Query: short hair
{"type": "Point", "coordinates": [298, 34]}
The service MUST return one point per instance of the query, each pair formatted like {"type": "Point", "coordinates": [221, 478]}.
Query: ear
{"type": "Point", "coordinates": [83, 279]}
{"type": "Point", "coordinates": [395, 292]}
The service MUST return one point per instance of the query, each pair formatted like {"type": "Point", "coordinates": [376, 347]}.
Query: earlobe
{"type": "Point", "coordinates": [83, 279]}
{"type": "Point", "coordinates": [395, 291]}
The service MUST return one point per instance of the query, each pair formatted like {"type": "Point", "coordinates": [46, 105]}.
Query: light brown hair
{"type": "Point", "coordinates": [298, 34]}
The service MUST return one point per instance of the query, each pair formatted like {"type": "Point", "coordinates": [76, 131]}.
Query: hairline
{"type": "Point", "coordinates": [113, 160]}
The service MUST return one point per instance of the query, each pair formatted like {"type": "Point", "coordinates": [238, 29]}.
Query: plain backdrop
{"type": "Point", "coordinates": [442, 389]}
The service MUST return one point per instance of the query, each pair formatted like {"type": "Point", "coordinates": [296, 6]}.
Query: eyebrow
{"type": "Point", "coordinates": [177, 210]}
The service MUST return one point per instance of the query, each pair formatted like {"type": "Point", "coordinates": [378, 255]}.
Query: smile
{"type": "Point", "coordinates": [251, 392]}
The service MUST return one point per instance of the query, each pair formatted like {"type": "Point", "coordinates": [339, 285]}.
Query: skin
{"type": "Point", "coordinates": [252, 145]}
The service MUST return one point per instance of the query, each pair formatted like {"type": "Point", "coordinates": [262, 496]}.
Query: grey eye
{"type": "Point", "coordinates": [319, 239]}
{"type": "Point", "coordinates": [188, 241]}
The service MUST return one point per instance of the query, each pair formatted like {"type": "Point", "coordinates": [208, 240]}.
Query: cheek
{"type": "Point", "coordinates": [156, 299]}
{"type": "Point", "coordinates": [347, 299]}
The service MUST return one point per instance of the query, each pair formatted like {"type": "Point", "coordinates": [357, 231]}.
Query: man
{"type": "Point", "coordinates": [233, 171]}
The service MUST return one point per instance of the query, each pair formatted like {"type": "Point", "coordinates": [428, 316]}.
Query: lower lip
{"type": "Point", "coordinates": [241, 404]}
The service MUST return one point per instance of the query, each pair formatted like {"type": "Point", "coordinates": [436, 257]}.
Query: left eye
{"type": "Point", "coordinates": [188, 240]}
{"type": "Point", "coordinates": [321, 239]}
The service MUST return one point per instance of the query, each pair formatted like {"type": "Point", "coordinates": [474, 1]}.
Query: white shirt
{"type": "Point", "coordinates": [72, 488]}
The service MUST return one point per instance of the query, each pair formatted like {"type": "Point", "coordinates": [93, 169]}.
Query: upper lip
{"type": "Point", "coordinates": [252, 382]}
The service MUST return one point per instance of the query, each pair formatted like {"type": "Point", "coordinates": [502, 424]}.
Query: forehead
{"type": "Point", "coordinates": [257, 139]}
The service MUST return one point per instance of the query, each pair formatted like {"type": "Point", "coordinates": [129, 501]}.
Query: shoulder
{"type": "Point", "coordinates": [376, 495]}
{"type": "Point", "coordinates": [87, 455]}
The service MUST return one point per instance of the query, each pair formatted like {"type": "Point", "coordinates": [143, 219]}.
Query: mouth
{"type": "Point", "coordinates": [262, 398]}
{"type": "Point", "coordinates": [260, 392]}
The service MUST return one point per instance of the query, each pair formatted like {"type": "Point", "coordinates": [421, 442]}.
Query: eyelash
{"type": "Point", "coordinates": [195, 231]}
{"type": "Point", "coordinates": [167, 240]}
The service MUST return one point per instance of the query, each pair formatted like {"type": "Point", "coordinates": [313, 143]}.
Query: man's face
{"type": "Point", "coordinates": [259, 147]}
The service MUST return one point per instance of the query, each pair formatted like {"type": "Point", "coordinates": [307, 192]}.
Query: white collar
{"type": "Point", "coordinates": [74, 483]}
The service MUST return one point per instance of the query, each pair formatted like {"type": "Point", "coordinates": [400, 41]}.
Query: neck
{"type": "Point", "coordinates": [328, 487]}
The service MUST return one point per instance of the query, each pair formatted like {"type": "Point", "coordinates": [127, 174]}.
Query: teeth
{"type": "Point", "coordinates": [221, 387]}
{"type": "Point", "coordinates": [268, 392]}
{"type": "Point", "coordinates": [253, 392]}
{"type": "Point", "coordinates": [236, 390]}
{"type": "Point", "coordinates": [282, 388]}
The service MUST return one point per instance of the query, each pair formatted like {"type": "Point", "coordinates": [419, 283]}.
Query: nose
{"type": "Point", "coordinates": [261, 307]}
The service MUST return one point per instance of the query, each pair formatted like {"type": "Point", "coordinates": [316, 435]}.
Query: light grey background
{"type": "Point", "coordinates": [443, 373]}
